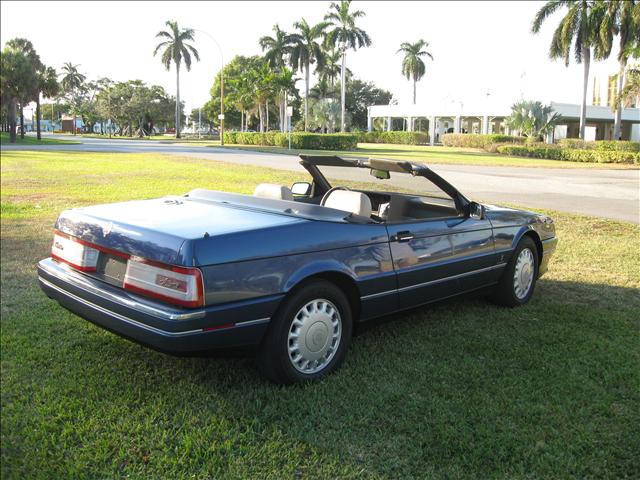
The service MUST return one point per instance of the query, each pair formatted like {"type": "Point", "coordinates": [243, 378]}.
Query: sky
{"type": "Point", "coordinates": [484, 53]}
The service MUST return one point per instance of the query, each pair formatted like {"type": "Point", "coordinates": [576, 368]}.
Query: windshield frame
{"type": "Point", "coordinates": [311, 163]}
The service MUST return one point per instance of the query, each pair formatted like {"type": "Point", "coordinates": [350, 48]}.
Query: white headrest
{"type": "Point", "coordinates": [354, 202]}
{"type": "Point", "coordinates": [270, 190]}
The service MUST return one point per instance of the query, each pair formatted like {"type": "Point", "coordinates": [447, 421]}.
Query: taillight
{"type": "Point", "coordinates": [74, 252]}
{"type": "Point", "coordinates": [177, 285]}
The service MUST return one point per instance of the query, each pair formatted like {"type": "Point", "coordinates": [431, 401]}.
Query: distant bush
{"type": "Point", "coordinates": [472, 140]}
{"type": "Point", "coordinates": [299, 140]}
{"type": "Point", "coordinates": [395, 137]}
{"type": "Point", "coordinates": [554, 152]}
{"type": "Point", "coordinates": [601, 145]}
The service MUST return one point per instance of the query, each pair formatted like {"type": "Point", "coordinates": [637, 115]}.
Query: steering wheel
{"type": "Point", "coordinates": [332, 189]}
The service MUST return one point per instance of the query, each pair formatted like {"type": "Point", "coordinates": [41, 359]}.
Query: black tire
{"type": "Point", "coordinates": [273, 358]}
{"type": "Point", "coordinates": [505, 292]}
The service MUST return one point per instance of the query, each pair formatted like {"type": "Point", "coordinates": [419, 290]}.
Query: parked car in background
{"type": "Point", "coordinates": [290, 270]}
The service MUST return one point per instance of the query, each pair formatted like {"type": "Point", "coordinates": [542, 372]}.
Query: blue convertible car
{"type": "Point", "coordinates": [290, 270]}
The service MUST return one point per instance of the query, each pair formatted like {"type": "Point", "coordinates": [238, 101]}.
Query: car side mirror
{"type": "Point", "coordinates": [301, 188]}
{"type": "Point", "coordinates": [476, 210]}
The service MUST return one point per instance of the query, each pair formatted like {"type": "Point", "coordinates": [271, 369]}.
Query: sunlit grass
{"type": "Point", "coordinates": [457, 390]}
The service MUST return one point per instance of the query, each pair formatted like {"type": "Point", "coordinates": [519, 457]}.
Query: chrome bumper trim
{"type": "Point", "coordinates": [117, 316]}
{"type": "Point", "coordinates": [67, 275]}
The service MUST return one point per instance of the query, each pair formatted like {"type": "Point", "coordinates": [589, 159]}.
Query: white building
{"type": "Point", "coordinates": [437, 121]}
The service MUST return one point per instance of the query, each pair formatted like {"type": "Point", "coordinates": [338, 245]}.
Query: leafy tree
{"type": "Point", "coordinates": [325, 115]}
{"type": "Point", "coordinates": [306, 51]}
{"type": "Point", "coordinates": [579, 29]}
{"type": "Point", "coordinates": [532, 119]}
{"type": "Point", "coordinates": [412, 64]}
{"type": "Point", "coordinates": [322, 90]}
{"type": "Point", "coordinates": [73, 88]}
{"type": "Point", "coordinates": [16, 76]}
{"type": "Point", "coordinates": [176, 49]}
{"type": "Point", "coordinates": [345, 35]}
{"type": "Point", "coordinates": [359, 96]}
{"type": "Point", "coordinates": [621, 19]}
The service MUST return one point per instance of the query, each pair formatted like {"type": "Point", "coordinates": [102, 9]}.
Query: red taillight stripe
{"type": "Point", "coordinates": [77, 267]}
{"type": "Point", "coordinates": [219, 327]}
{"type": "Point", "coordinates": [165, 298]}
{"type": "Point", "coordinates": [100, 248]}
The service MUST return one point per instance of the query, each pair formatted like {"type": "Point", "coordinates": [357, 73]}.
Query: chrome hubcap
{"type": "Point", "coordinates": [314, 336]}
{"type": "Point", "coordinates": [523, 273]}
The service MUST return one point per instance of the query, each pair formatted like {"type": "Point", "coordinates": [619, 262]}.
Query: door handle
{"type": "Point", "coordinates": [404, 236]}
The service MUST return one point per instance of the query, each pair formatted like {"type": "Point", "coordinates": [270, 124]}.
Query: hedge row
{"type": "Point", "coordinates": [299, 140]}
{"type": "Point", "coordinates": [397, 137]}
{"type": "Point", "coordinates": [473, 140]}
{"type": "Point", "coordinates": [570, 154]}
{"type": "Point", "coordinates": [601, 145]}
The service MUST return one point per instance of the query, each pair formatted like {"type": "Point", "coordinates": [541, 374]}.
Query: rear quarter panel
{"type": "Point", "coordinates": [252, 265]}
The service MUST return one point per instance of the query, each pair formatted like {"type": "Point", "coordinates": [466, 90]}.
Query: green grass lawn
{"type": "Point", "coordinates": [32, 140]}
{"type": "Point", "coordinates": [461, 389]}
{"type": "Point", "coordinates": [436, 154]}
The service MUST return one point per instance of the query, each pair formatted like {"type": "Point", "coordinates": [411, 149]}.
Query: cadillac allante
{"type": "Point", "coordinates": [289, 271]}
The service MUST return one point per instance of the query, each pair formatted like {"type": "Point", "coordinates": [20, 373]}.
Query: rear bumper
{"type": "Point", "coordinates": [548, 248]}
{"type": "Point", "coordinates": [171, 330]}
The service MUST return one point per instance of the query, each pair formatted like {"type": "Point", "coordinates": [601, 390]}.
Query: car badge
{"type": "Point", "coordinates": [107, 230]}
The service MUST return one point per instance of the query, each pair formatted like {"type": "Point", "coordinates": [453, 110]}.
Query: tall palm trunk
{"type": "Point", "coordinates": [177, 100]}
{"type": "Point", "coordinates": [343, 89]}
{"type": "Point", "coordinates": [38, 117]}
{"type": "Point", "coordinates": [414, 90]}
{"type": "Point", "coordinates": [267, 109]}
{"type": "Point", "coordinates": [242, 120]}
{"type": "Point", "coordinates": [306, 97]}
{"type": "Point", "coordinates": [585, 85]}
{"type": "Point", "coordinates": [617, 124]}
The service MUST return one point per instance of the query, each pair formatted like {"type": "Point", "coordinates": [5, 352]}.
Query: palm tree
{"type": "Point", "coordinates": [412, 65]}
{"type": "Point", "coordinates": [580, 27]}
{"type": "Point", "coordinates": [72, 83]}
{"type": "Point", "coordinates": [48, 87]}
{"type": "Point", "coordinates": [175, 49]}
{"type": "Point", "coordinates": [621, 19]}
{"type": "Point", "coordinates": [305, 51]}
{"type": "Point", "coordinates": [532, 119]}
{"type": "Point", "coordinates": [285, 83]}
{"type": "Point", "coordinates": [345, 35]}
{"type": "Point", "coordinates": [277, 48]}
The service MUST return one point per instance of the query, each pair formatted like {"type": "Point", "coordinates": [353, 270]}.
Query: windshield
{"type": "Point", "coordinates": [361, 179]}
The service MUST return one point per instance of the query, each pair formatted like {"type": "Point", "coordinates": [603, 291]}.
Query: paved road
{"type": "Point", "coordinates": [599, 192]}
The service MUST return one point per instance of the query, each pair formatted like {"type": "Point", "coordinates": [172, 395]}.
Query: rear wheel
{"type": "Point", "coordinates": [519, 278]}
{"type": "Point", "coordinates": [309, 336]}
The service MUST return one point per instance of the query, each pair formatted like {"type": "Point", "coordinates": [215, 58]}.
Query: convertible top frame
{"type": "Point", "coordinates": [311, 162]}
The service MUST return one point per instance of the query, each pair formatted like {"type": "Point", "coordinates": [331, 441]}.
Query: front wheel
{"type": "Point", "coordinates": [519, 277]}
{"type": "Point", "coordinates": [309, 336]}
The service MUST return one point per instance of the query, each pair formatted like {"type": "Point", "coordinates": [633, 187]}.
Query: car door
{"type": "Point", "coordinates": [438, 258]}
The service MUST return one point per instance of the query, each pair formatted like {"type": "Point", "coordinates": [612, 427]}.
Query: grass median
{"type": "Point", "coordinates": [460, 389]}
{"type": "Point", "coordinates": [32, 140]}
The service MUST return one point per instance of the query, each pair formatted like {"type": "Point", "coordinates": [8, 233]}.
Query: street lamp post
{"type": "Point", "coordinates": [221, 116]}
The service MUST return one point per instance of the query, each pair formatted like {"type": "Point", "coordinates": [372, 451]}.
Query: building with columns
{"type": "Point", "coordinates": [438, 121]}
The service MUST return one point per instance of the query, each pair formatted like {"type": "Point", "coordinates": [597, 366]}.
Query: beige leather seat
{"type": "Point", "coordinates": [271, 190]}
{"type": "Point", "coordinates": [348, 201]}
